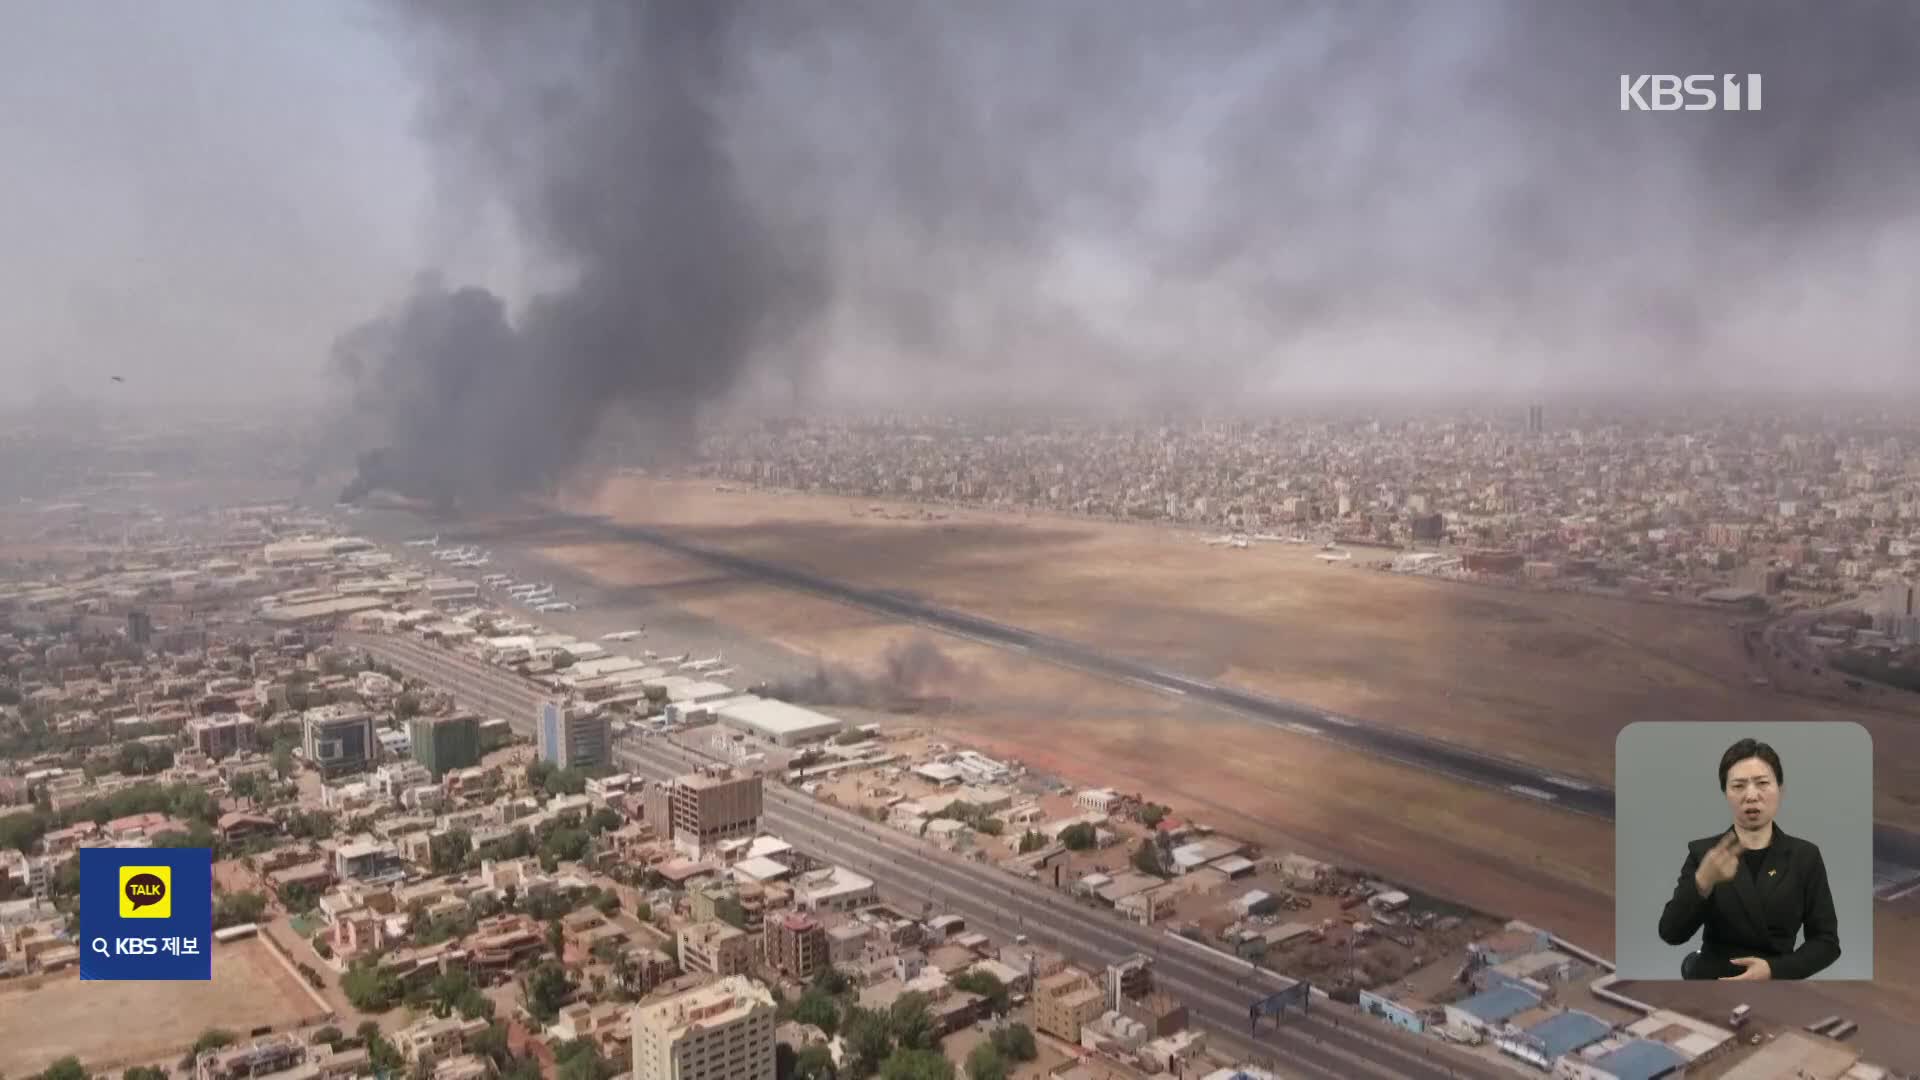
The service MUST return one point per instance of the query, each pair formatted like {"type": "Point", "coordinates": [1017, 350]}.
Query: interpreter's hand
{"type": "Point", "coordinates": [1719, 864]}
{"type": "Point", "coordinates": [1756, 970]}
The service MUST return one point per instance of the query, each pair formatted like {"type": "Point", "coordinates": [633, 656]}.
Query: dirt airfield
{"type": "Point", "coordinates": [1545, 678]}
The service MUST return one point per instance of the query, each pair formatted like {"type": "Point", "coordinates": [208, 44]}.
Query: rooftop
{"type": "Point", "coordinates": [1640, 1060]}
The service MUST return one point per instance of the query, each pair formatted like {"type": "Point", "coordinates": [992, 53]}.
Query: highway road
{"type": "Point", "coordinates": [1330, 1042]}
{"type": "Point", "coordinates": [1895, 850]}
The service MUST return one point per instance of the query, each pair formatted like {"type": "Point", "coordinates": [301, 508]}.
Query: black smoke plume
{"type": "Point", "coordinates": [1138, 202]}
{"type": "Point", "coordinates": [912, 676]}
{"type": "Point", "coordinates": [596, 124]}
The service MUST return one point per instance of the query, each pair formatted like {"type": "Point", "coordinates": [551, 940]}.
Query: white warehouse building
{"type": "Point", "coordinates": [776, 721]}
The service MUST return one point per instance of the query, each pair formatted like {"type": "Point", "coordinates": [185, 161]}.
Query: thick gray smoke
{"type": "Point", "coordinates": [1142, 201]}
{"type": "Point", "coordinates": [912, 676]}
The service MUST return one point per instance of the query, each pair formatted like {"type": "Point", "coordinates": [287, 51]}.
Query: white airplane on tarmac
{"type": "Point", "coordinates": [1228, 541]}
{"type": "Point", "coordinates": [622, 635]}
{"type": "Point", "coordinates": [708, 664]}
{"type": "Point", "coordinates": [425, 542]}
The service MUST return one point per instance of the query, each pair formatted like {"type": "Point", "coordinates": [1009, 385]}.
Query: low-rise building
{"type": "Point", "coordinates": [1064, 1001]}
{"type": "Point", "coordinates": [716, 948]}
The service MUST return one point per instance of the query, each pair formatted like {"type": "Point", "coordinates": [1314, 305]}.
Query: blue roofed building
{"type": "Point", "coordinates": [1491, 1008]}
{"type": "Point", "coordinates": [1640, 1059]}
{"type": "Point", "coordinates": [1562, 1033]}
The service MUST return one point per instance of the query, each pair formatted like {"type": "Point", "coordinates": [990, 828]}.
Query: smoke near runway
{"type": "Point", "coordinates": [912, 676]}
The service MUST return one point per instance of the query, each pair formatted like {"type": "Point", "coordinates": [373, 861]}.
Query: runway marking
{"type": "Point", "coordinates": [1571, 785]}
{"type": "Point", "coordinates": [1341, 720]}
{"type": "Point", "coordinates": [1532, 793]}
{"type": "Point", "coordinates": [1151, 685]}
{"type": "Point", "coordinates": [1299, 728]}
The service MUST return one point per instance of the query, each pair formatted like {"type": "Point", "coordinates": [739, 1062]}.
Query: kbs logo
{"type": "Point", "coordinates": [1694, 93]}
{"type": "Point", "coordinates": [145, 892]}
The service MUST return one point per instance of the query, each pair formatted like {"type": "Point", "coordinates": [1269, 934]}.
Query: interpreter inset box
{"type": "Point", "coordinates": [1743, 851]}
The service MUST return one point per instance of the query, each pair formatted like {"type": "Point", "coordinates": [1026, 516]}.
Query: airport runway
{"type": "Point", "coordinates": [1896, 851]}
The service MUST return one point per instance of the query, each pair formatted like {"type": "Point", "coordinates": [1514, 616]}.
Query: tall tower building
{"type": "Point", "coordinates": [1536, 419]}
{"type": "Point", "coordinates": [572, 736]}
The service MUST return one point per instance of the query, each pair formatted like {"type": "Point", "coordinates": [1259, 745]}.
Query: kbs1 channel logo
{"type": "Point", "coordinates": [146, 913]}
{"type": "Point", "coordinates": [1689, 93]}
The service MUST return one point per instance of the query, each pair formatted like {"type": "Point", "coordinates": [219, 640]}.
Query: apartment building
{"type": "Point", "coordinates": [444, 743]}
{"type": "Point", "coordinates": [796, 945]}
{"type": "Point", "coordinates": [223, 735]}
{"type": "Point", "coordinates": [721, 1031]}
{"type": "Point", "coordinates": [716, 948]}
{"type": "Point", "coordinates": [1063, 1002]}
{"type": "Point", "coordinates": [701, 809]}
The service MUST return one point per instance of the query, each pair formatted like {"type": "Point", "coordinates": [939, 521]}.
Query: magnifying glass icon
{"type": "Point", "coordinates": [100, 946]}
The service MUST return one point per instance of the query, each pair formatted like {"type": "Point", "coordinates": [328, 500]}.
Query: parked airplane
{"type": "Point", "coordinates": [720, 673]}
{"type": "Point", "coordinates": [425, 542]}
{"type": "Point", "coordinates": [621, 635]}
{"type": "Point", "coordinates": [674, 659]}
{"type": "Point", "coordinates": [557, 605]}
{"type": "Point", "coordinates": [1228, 541]}
{"type": "Point", "coordinates": [708, 664]}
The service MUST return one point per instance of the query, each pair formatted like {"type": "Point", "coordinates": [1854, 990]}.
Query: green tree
{"type": "Point", "coordinates": [1079, 836]}
{"type": "Point", "coordinates": [985, 1063]}
{"type": "Point", "coordinates": [869, 1042]}
{"type": "Point", "coordinates": [991, 826]}
{"type": "Point", "coordinates": [447, 851]}
{"type": "Point", "coordinates": [579, 1059]}
{"type": "Point", "coordinates": [832, 982]}
{"type": "Point", "coordinates": [1152, 814]}
{"type": "Point", "coordinates": [1146, 858]}
{"type": "Point", "coordinates": [911, 1023]}
{"type": "Point", "coordinates": [368, 988]}
{"type": "Point", "coordinates": [212, 1039]}
{"type": "Point", "coordinates": [449, 988]}
{"type": "Point", "coordinates": [67, 1068]}
{"type": "Point", "coordinates": [492, 1043]}
{"type": "Point", "coordinates": [474, 1005]}
{"type": "Point", "coordinates": [987, 985]}
{"type": "Point", "coordinates": [820, 1010]}
{"type": "Point", "coordinates": [546, 989]}
{"type": "Point", "coordinates": [282, 761]}
{"type": "Point", "coordinates": [1015, 1043]}
{"type": "Point", "coordinates": [813, 1063]}
{"type": "Point", "coordinates": [604, 819]}
{"type": "Point", "coordinates": [328, 1036]}
{"type": "Point", "coordinates": [1031, 841]}
{"type": "Point", "coordinates": [406, 706]}
{"type": "Point", "coordinates": [905, 1064]}
{"type": "Point", "coordinates": [235, 909]}
{"type": "Point", "coordinates": [565, 782]}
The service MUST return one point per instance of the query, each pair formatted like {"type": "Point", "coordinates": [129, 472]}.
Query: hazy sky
{"type": "Point", "coordinates": [201, 195]}
{"type": "Point", "coordinates": [1135, 200]}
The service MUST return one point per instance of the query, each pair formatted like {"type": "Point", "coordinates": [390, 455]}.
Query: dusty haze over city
{"type": "Point", "coordinates": [450, 219]}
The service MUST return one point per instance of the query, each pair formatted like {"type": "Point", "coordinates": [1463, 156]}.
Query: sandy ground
{"type": "Point", "coordinates": [1547, 678]}
{"type": "Point", "coordinates": [110, 1023]}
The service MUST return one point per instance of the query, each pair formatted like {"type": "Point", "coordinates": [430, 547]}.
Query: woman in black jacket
{"type": "Point", "coordinates": [1753, 888]}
